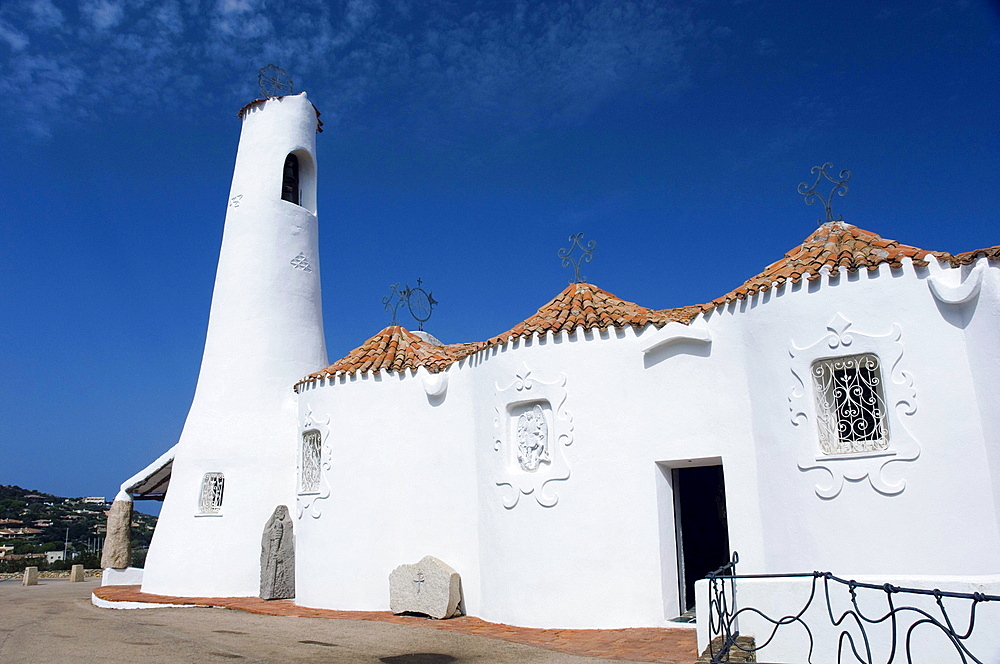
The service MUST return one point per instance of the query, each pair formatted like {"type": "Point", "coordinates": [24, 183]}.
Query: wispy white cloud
{"type": "Point", "coordinates": [102, 14]}
{"type": "Point", "coordinates": [45, 15]}
{"type": "Point", "coordinates": [16, 40]}
{"type": "Point", "coordinates": [518, 65]}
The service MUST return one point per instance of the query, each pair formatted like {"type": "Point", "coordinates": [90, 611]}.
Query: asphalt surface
{"type": "Point", "coordinates": [55, 623]}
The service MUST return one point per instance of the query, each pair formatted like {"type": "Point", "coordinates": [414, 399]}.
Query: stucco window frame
{"type": "Point", "coordinates": [214, 510]}
{"type": "Point", "coordinates": [303, 491]}
{"type": "Point", "coordinates": [311, 502]}
{"type": "Point", "coordinates": [899, 399]}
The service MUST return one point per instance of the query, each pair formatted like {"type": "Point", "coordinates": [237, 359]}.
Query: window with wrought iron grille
{"type": "Point", "coordinates": [312, 450]}
{"type": "Point", "coordinates": [211, 493]}
{"type": "Point", "coordinates": [850, 404]}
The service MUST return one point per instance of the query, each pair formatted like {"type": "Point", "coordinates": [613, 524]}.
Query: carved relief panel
{"type": "Point", "coordinates": [531, 428]}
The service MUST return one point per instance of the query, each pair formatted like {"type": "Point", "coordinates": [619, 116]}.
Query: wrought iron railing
{"type": "Point", "coordinates": [861, 632]}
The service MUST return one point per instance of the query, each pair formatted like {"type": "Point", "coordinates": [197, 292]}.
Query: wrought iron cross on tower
{"type": "Point", "coordinates": [839, 187]}
{"type": "Point", "coordinates": [586, 255]}
{"type": "Point", "coordinates": [274, 82]}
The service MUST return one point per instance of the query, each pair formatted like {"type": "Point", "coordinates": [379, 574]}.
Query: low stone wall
{"type": "Point", "coordinates": [62, 574]}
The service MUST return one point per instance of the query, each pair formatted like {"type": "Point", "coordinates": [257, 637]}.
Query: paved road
{"type": "Point", "coordinates": [55, 623]}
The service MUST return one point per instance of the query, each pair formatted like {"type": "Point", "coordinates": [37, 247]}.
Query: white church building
{"type": "Point", "coordinates": [581, 470]}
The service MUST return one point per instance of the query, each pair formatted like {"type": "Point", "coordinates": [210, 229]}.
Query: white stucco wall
{"type": "Point", "coordinates": [400, 485]}
{"type": "Point", "coordinates": [906, 516]}
{"type": "Point", "coordinates": [264, 333]}
{"type": "Point", "coordinates": [595, 546]}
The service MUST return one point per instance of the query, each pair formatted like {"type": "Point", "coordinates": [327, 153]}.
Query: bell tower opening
{"type": "Point", "coordinates": [290, 180]}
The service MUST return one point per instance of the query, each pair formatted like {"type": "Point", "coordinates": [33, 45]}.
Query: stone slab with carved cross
{"type": "Point", "coordinates": [429, 587]}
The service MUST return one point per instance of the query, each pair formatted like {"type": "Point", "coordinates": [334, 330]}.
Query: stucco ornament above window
{"type": "Point", "coordinates": [315, 456]}
{"type": "Point", "coordinates": [951, 286]}
{"type": "Point", "coordinates": [531, 426]}
{"type": "Point", "coordinates": [850, 404]}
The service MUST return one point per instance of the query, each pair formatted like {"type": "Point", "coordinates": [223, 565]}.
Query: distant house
{"type": "Point", "coordinates": [53, 556]}
{"type": "Point", "coordinates": [10, 532]}
{"type": "Point", "coordinates": [93, 500]}
{"type": "Point", "coordinates": [5, 551]}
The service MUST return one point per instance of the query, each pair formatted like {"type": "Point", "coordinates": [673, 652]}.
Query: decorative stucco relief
{"type": "Point", "coordinates": [531, 426]}
{"type": "Point", "coordinates": [675, 332]}
{"type": "Point", "coordinates": [309, 502]}
{"type": "Point", "coordinates": [300, 262]}
{"type": "Point", "coordinates": [435, 385]}
{"type": "Point", "coordinates": [900, 402]}
{"type": "Point", "coordinates": [948, 287]}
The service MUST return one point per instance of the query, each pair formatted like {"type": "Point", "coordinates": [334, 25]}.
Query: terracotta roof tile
{"type": "Point", "coordinates": [971, 256]}
{"type": "Point", "coordinates": [395, 349]}
{"type": "Point", "coordinates": [834, 244]}
{"type": "Point", "coordinates": [587, 306]}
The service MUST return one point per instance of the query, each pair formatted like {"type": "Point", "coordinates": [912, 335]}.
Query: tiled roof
{"type": "Point", "coordinates": [971, 256]}
{"type": "Point", "coordinates": [395, 349]}
{"type": "Point", "coordinates": [834, 244]}
{"type": "Point", "coordinates": [587, 306]}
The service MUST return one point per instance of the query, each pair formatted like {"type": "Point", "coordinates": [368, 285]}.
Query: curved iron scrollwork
{"type": "Point", "coordinates": [587, 255]}
{"type": "Point", "coordinates": [855, 642]}
{"type": "Point", "coordinates": [419, 302]}
{"type": "Point", "coordinates": [274, 82]}
{"type": "Point", "coordinates": [839, 187]}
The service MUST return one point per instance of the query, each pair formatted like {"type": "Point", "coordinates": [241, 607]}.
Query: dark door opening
{"type": "Point", "coordinates": [702, 528]}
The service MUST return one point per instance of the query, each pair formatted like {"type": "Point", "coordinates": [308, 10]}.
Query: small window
{"type": "Point", "coordinates": [211, 493]}
{"type": "Point", "coordinates": [850, 404]}
{"type": "Point", "coordinates": [312, 448]}
{"type": "Point", "coordinates": [290, 180]}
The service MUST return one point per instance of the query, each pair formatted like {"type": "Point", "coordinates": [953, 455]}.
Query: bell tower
{"type": "Point", "coordinates": [235, 460]}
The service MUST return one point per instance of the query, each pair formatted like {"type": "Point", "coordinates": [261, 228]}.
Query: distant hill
{"type": "Point", "coordinates": [33, 521]}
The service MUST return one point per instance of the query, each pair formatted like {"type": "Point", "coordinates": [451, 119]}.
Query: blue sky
{"type": "Point", "coordinates": [464, 142]}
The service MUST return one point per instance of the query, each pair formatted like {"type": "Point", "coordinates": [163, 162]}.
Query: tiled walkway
{"type": "Point", "coordinates": [652, 644]}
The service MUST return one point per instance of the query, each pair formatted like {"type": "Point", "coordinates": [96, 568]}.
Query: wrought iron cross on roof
{"type": "Point", "coordinates": [419, 302]}
{"type": "Point", "coordinates": [586, 255]}
{"type": "Point", "coordinates": [274, 82]}
{"type": "Point", "coordinates": [839, 187]}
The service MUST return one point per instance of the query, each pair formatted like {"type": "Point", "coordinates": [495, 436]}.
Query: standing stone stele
{"type": "Point", "coordinates": [117, 552]}
{"type": "Point", "coordinates": [30, 576]}
{"type": "Point", "coordinates": [277, 557]}
{"type": "Point", "coordinates": [76, 573]}
{"type": "Point", "coordinates": [430, 587]}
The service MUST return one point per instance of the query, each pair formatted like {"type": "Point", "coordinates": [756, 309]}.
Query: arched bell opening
{"type": "Point", "coordinates": [298, 180]}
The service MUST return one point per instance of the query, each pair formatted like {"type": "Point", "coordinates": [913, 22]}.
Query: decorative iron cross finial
{"type": "Point", "coordinates": [274, 82]}
{"type": "Point", "coordinates": [419, 302]}
{"type": "Point", "coordinates": [393, 300]}
{"type": "Point", "coordinates": [586, 255]}
{"type": "Point", "coordinates": [839, 187]}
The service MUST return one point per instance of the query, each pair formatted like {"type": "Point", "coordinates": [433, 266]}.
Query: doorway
{"type": "Point", "coordinates": [702, 530]}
